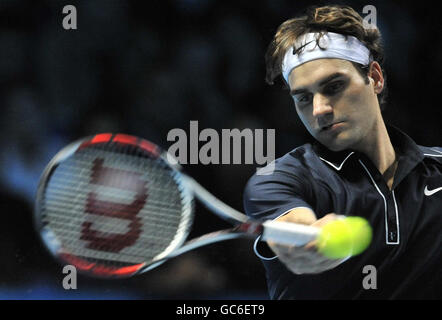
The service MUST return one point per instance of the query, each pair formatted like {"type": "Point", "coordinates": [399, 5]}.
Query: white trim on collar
{"type": "Point", "coordinates": [334, 166]}
{"type": "Point", "coordinates": [434, 155]}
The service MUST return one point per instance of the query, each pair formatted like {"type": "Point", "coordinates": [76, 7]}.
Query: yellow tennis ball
{"type": "Point", "coordinates": [345, 237]}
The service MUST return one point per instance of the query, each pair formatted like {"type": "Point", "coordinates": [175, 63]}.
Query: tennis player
{"type": "Point", "coordinates": [358, 166]}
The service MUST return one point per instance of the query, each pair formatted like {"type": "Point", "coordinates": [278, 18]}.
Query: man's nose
{"type": "Point", "coordinates": [321, 105]}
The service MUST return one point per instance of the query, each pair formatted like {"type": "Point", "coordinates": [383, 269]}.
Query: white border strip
{"type": "Point", "coordinates": [340, 167]}
{"type": "Point", "coordinates": [259, 237]}
{"type": "Point", "coordinates": [397, 218]}
{"type": "Point", "coordinates": [385, 205]}
{"type": "Point", "coordinates": [433, 155]}
{"type": "Point", "coordinates": [257, 253]}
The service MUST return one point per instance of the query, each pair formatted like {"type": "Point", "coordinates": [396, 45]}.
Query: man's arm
{"type": "Point", "coordinates": [306, 259]}
{"type": "Point", "coordinates": [286, 196]}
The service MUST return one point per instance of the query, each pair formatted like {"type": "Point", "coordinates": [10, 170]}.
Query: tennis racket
{"type": "Point", "coordinates": [115, 205]}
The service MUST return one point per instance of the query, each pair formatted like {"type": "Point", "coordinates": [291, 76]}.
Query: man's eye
{"type": "Point", "coordinates": [334, 87]}
{"type": "Point", "coordinates": [304, 98]}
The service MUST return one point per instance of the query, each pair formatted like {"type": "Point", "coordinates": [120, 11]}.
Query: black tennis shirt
{"type": "Point", "coordinates": [406, 220]}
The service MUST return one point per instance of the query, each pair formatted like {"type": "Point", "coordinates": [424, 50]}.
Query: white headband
{"type": "Point", "coordinates": [334, 45]}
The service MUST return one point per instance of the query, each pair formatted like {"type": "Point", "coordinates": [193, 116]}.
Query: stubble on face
{"type": "Point", "coordinates": [356, 105]}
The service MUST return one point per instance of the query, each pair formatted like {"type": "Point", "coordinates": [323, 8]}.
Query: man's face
{"type": "Point", "coordinates": [335, 103]}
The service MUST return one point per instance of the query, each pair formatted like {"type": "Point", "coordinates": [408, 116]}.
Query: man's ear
{"type": "Point", "coordinates": [376, 77]}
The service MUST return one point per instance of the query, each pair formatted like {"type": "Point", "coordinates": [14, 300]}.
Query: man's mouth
{"type": "Point", "coordinates": [332, 126]}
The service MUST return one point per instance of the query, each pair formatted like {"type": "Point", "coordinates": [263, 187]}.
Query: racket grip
{"type": "Point", "coordinates": [288, 233]}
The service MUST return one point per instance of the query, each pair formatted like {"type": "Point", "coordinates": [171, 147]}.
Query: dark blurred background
{"type": "Point", "coordinates": [146, 67]}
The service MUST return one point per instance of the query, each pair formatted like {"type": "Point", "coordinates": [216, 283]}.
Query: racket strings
{"type": "Point", "coordinates": [148, 228]}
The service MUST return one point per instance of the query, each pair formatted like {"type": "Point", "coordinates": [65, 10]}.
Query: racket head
{"type": "Point", "coordinates": [112, 205]}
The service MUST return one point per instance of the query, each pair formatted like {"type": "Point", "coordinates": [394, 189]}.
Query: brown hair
{"type": "Point", "coordinates": [334, 18]}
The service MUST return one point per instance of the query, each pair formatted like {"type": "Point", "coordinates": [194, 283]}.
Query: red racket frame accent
{"type": "Point", "coordinates": [100, 270]}
{"type": "Point", "coordinates": [123, 139]}
{"type": "Point", "coordinates": [99, 138]}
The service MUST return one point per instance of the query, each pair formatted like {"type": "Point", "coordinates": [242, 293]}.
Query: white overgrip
{"type": "Point", "coordinates": [288, 233]}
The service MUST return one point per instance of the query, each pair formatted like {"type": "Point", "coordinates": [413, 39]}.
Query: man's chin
{"type": "Point", "coordinates": [337, 144]}
{"type": "Point", "coordinates": [335, 148]}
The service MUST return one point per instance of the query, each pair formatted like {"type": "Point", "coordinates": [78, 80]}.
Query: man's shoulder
{"type": "Point", "coordinates": [281, 185]}
{"type": "Point", "coordinates": [296, 160]}
{"type": "Point", "coordinates": [293, 167]}
{"type": "Point", "coordinates": [409, 147]}
{"type": "Point", "coordinates": [434, 153]}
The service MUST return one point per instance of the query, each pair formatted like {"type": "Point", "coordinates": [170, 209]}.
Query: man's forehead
{"type": "Point", "coordinates": [313, 71]}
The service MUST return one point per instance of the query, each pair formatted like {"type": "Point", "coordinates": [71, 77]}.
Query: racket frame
{"type": "Point", "coordinates": [244, 227]}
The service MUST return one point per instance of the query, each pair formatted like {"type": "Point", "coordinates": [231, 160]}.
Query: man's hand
{"type": "Point", "coordinates": [306, 259]}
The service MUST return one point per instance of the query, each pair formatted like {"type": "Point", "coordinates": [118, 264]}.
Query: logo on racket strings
{"type": "Point", "coordinates": [119, 179]}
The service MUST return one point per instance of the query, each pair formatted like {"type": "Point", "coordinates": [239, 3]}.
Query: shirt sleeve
{"type": "Point", "coordinates": [270, 196]}
{"type": "Point", "coordinates": [267, 197]}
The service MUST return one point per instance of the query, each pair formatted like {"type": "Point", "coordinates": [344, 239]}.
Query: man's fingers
{"type": "Point", "coordinates": [324, 220]}
{"type": "Point", "coordinates": [310, 246]}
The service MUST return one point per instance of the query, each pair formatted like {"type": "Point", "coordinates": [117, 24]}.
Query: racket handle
{"type": "Point", "coordinates": [288, 233]}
